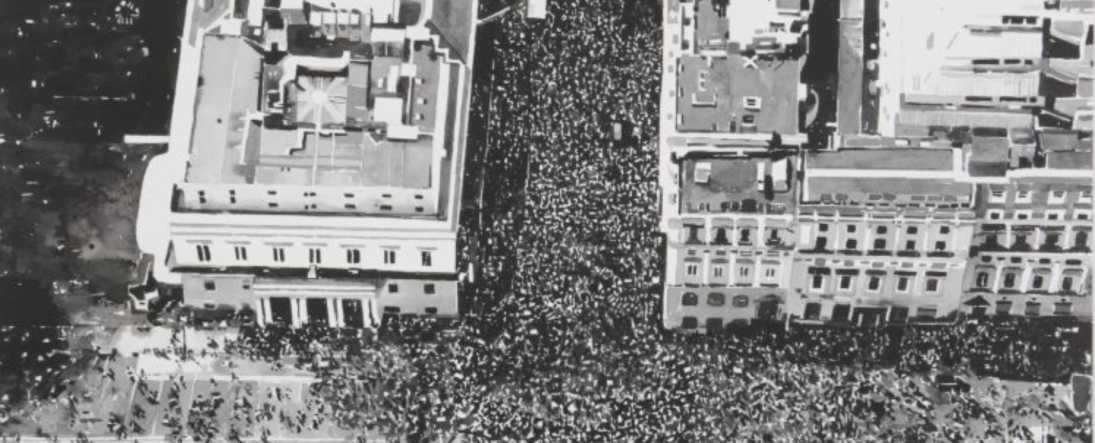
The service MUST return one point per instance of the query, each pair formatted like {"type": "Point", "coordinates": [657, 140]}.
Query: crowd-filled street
{"type": "Point", "coordinates": [561, 340]}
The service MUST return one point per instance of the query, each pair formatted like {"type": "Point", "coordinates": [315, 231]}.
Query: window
{"type": "Point", "coordinates": [813, 311]}
{"type": "Point", "coordinates": [716, 299]}
{"type": "Point", "coordinates": [851, 243]}
{"type": "Point", "coordinates": [1062, 308]}
{"type": "Point", "coordinates": [910, 245]}
{"type": "Point", "coordinates": [714, 324]}
{"type": "Point", "coordinates": [1003, 308]}
{"type": "Point", "coordinates": [818, 281]}
{"type": "Point", "coordinates": [1037, 282]}
{"type": "Point", "coordinates": [744, 235]}
{"type": "Point", "coordinates": [692, 270]}
{"type": "Point", "coordinates": [881, 230]}
{"type": "Point", "coordinates": [690, 299]}
{"type": "Point", "coordinates": [1080, 241]}
{"type": "Point", "coordinates": [1033, 309]}
{"type": "Point", "coordinates": [770, 272]}
{"type": "Point", "coordinates": [279, 254]}
{"type": "Point", "coordinates": [752, 103]}
{"type": "Point", "coordinates": [940, 246]}
{"type": "Point", "coordinates": [689, 323]}
{"type": "Point", "coordinates": [820, 243]}
{"type": "Point", "coordinates": [926, 312]}
{"type": "Point", "coordinates": [718, 271]}
{"type": "Point", "coordinates": [429, 288]}
{"type": "Point", "coordinates": [431, 311]}
{"type": "Point", "coordinates": [389, 256]}
{"type": "Point", "coordinates": [210, 285]}
{"type": "Point", "coordinates": [932, 286]}
{"type": "Point", "coordinates": [743, 271]}
{"type": "Point", "coordinates": [393, 288]}
{"type": "Point", "coordinates": [1055, 215]}
{"type": "Point", "coordinates": [982, 279]}
{"type": "Point", "coordinates": [912, 230]}
{"type": "Point", "coordinates": [1009, 280]}
{"type": "Point", "coordinates": [944, 229]}
{"type": "Point", "coordinates": [997, 196]}
{"type": "Point", "coordinates": [203, 253]}
{"type": "Point", "coordinates": [1066, 284]}
{"type": "Point", "coordinates": [741, 301]}
{"type": "Point", "coordinates": [314, 256]}
{"type": "Point", "coordinates": [824, 227]}
{"type": "Point", "coordinates": [1083, 215]}
{"type": "Point", "coordinates": [903, 284]}
{"type": "Point", "coordinates": [1022, 197]}
{"type": "Point", "coordinates": [880, 244]}
{"type": "Point", "coordinates": [353, 256]}
{"type": "Point", "coordinates": [1085, 196]}
{"type": "Point", "coordinates": [427, 258]}
{"type": "Point", "coordinates": [241, 253]}
{"type": "Point", "coordinates": [996, 214]}
{"type": "Point", "coordinates": [874, 284]}
{"type": "Point", "coordinates": [845, 282]}
{"type": "Point", "coordinates": [851, 229]}
{"type": "Point", "coordinates": [1023, 215]}
{"type": "Point", "coordinates": [1056, 197]}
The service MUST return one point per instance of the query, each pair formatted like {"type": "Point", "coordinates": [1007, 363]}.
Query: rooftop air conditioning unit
{"type": "Point", "coordinates": [703, 172]}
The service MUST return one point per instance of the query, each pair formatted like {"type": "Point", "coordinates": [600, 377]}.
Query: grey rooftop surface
{"type": "Point", "coordinates": [886, 159]}
{"type": "Point", "coordinates": [731, 179]}
{"type": "Point", "coordinates": [712, 92]}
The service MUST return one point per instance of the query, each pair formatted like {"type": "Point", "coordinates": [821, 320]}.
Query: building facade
{"type": "Point", "coordinates": [324, 163]}
{"type": "Point", "coordinates": [1031, 253]}
{"type": "Point", "coordinates": [729, 256]}
{"type": "Point", "coordinates": [882, 236]}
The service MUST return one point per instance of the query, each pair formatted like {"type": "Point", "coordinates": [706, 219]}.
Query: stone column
{"type": "Point", "coordinates": [303, 310]}
{"type": "Point", "coordinates": [267, 313]}
{"type": "Point", "coordinates": [260, 312]}
{"type": "Point", "coordinates": [340, 319]}
{"type": "Point", "coordinates": [996, 279]}
{"type": "Point", "coordinates": [331, 320]}
{"type": "Point", "coordinates": [732, 272]}
{"type": "Point", "coordinates": [294, 305]}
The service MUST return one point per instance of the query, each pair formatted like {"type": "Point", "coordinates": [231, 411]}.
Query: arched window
{"type": "Point", "coordinates": [716, 299]}
{"type": "Point", "coordinates": [720, 236]}
{"type": "Point", "coordinates": [1081, 239]}
{"type": "Point", "coordinates": [690, 299]}
{"type": "Point", "coordinates": [741, 301]}
{"type": "Point", "coordinates": [982, 279]}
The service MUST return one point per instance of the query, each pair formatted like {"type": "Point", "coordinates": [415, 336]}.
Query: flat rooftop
{"type": "Point", "coordinates": [901, 159]}
{"type": "Point", "coordinates": [724, 181]}
{"type": "Point", "coordinates": [736, 94]}
{"type": "Point", "coordinates": [351, 112]}
{"type": "Point", "coordinates": [893, 190]}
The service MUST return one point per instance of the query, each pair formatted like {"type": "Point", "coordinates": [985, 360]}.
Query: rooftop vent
{"type": "Point", "coordinates": [703, 172]}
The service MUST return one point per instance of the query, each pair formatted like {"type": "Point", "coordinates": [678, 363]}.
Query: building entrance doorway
{"type": "Point", "coordinates": [317, 310]}
{"type": "Point", "coordinates": [281, 310]}
{"type": "Point", "coordinates": [768, 308]}
{"type": "Point", "coordinates": [352, 314]}
{"type": "Point", "coordinates": [869, 316]}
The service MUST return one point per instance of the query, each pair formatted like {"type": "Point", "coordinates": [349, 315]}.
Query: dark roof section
{"type": "Point", "coordinates": [453, 21]}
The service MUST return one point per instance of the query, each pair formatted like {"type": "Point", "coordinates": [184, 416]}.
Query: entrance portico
{"type": "Point", "coordinates": [299, 303]}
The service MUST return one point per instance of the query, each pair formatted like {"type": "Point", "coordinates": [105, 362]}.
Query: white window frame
{"type": "Point", "coordinates": [927, 285]}
{"type": "Point", "coordinates": [814, 288]}
{"type": "Point", "coordinates": [241, 253]}
{"type": "Point", "coordinates": [718, 271]}
{"type": "Point", "coordinates": [840, 282]}
{"type": "Point", "coordinates": [743, 271]}
{"type": "Point", "coordinates": [770, 273]}
{"type": "Point", "coordinates": [389, 256]}
{"type": "Point", "coordinates": [691, 269]}
{"type": "Point", "coordinates": [427, 258]}
{"type": "Point", "coordinates": [1025, 214]}
{"type": "Point", "coordinates": [1054, 199]}
{"type": "Point", "coordinates": [752, 103]}
{"type": "Point", "coordinates": [279, 254]}
{"type": "Point", "coordinates": [998, 196]}
{"type": "Point", "coordinates": [897, 284]}
{"type": "Point", "coordinates": [353, 256]}
{"type": "Point", "coordinates": [1085, 197]}
{"type": "Point", "coordinates": [1076, 214]}
{"type": "Point", "coordinates": [871, 278]}
{"type": "Point", "coordinates": [1060, 213]}
{"type": "Point", "coordinates": [999, 213]}
{"type": "Point", "coordinates": [1023, 196]}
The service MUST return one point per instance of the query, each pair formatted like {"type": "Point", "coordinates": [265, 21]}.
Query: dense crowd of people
{"type": "Point", "coordinates": [561, 342]}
